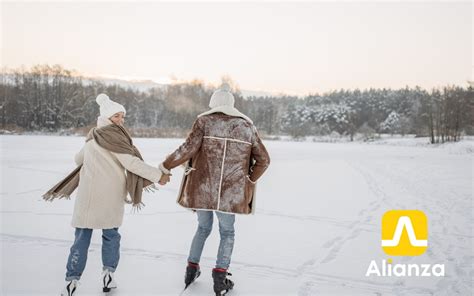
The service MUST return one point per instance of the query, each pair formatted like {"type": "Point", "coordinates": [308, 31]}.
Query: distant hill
{"type": "Point", "coordinates": [143, 85]}
{"type": "Point", "coordinates": [140, 85]}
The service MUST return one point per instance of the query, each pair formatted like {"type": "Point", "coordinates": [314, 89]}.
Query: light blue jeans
{"type": "Point", "coordinates": [79, 249]}
{"type": "Point", "coordinates": [227, 233]}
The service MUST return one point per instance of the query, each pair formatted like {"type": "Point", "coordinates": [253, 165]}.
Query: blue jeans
{"type": "Point", "coordinates": [78, 254]}
{"type": "Point", "coordinates": [227, 233]}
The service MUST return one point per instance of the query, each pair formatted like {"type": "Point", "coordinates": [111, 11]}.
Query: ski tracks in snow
{"type": "Point", "coordinates": [308, 271]}
{"type": "Point", "coordinates": [380, 181]}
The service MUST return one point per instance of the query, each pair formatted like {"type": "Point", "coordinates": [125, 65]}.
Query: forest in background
{"type": "Point", "coordinates": [48, 98]}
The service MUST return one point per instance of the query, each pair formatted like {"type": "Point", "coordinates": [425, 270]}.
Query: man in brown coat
{"type": "Point", "coordinates": [224, 158]}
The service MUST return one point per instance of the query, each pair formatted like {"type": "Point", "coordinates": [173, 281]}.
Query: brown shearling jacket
{"type": "Point", "coordinates": [225, 157]}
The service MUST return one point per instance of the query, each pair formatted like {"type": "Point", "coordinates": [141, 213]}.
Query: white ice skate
{"type": "Point", "coordinates": [70, 289]}
{"type": "Point", "coordinates": [108, 281]}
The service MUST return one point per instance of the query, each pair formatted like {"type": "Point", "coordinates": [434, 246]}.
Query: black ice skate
{"type": "Point", "coordinates": [222, 284]}
{"type": "Point", "coordinates": [192, 273]}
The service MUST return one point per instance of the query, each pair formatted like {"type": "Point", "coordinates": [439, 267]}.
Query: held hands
{"type": "Point", "coordinates": [165, 178]}
{"type": "Point", "coordinates": [165, 175]}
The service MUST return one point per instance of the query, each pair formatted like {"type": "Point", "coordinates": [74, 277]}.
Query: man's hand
{"type": "Point", "coordinates": [165, 178]}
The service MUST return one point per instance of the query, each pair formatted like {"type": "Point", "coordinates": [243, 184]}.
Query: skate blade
{"type": "Point", "coordinates": [107, 290]}
{"type": "Point", "coordinates": [222, 293]}
{"type": "Point", "coordinates": [194, 279]}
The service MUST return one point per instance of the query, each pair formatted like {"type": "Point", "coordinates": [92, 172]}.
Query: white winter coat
{"type": "Point", "coordinates": [102, 187]}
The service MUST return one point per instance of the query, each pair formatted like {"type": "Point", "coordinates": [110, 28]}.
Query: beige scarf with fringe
{"type": "Point", "coordinates": [114, 138]}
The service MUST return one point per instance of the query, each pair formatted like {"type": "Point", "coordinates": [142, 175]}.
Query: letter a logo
{"type": "Point", "coordinates": [404, 232]}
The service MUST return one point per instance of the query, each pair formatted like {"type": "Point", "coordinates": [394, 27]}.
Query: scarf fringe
{"type": "Point", "coordinates": [50, 196]}
{"type": "Point", "coordinates": [137, 207]}
{"type": "Point", "coordinates": [151, 188]}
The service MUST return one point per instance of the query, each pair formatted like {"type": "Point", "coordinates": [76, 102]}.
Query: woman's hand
{"type": "Point", "coordinates": [165, 178]}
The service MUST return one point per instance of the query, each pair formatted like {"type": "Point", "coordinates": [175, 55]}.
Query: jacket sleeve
{"type": "Point", "coordinates": [188, 149]}
{"type": "Point", "coordinates": [79, 157]}
{"type": "Point", "coordinates": [260, 157]}
{"type": "Point", "coordinates": [139, 167]}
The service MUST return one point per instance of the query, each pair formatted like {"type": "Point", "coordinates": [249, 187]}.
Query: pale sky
{"type": "Point", "coordinates": [281, 47]}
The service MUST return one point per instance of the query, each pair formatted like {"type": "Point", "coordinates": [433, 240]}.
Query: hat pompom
{"type": "Point", "coordinates": [225, 87]}
{"type": "Point", "coordinates": [101, 99]}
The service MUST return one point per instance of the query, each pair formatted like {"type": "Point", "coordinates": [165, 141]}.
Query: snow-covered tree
{"type": "Point", "coordinates": [336, 116]}
{"type": "Point", "coordinates": [297, 120]}
{"type": "Point", "coordinates": [392, 123]}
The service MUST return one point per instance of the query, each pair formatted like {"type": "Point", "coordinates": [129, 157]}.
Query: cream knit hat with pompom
{"type": "Point", "coordinates": [222, 97]}
{"type": "Point", "coordinates": [108, 107]}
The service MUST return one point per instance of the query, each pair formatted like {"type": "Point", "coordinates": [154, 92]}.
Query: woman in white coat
{"type": "Point", "coordinates": [102, 192]}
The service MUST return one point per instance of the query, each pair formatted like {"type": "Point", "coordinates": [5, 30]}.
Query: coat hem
{"type": "Point", "coordinates": [95, 227]}
{"type": "Point", "coordinates": [213, 210]}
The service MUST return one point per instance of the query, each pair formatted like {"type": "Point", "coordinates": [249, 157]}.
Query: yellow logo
{"type": "Point", "coordinates": [404, 232]}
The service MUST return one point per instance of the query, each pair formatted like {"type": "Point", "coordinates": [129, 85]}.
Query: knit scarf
{"type": "Point", "coordinates": [114, 138]}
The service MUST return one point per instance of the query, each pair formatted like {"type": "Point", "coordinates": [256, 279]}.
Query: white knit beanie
{"type": "Point", "coordinates": [108, 107]}
{"type": "Point", "coordinates": [222, 97]}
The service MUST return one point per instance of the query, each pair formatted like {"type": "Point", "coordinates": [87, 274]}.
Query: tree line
{"type": "Point", "coordinates": [51, 98]}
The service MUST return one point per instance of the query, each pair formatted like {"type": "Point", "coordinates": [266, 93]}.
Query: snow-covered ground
{"type": "Point", "coordinates": [316, 229]}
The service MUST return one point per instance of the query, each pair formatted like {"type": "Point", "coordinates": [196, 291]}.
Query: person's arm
{"type": "Point", "coordinates": [138, 167]}
{"type": "Point", "coordinates": [186, 151]}
{"type": "Point", "coordinates": [262, 159]}
{"type": "Point", "coordinates": [79, 157]}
